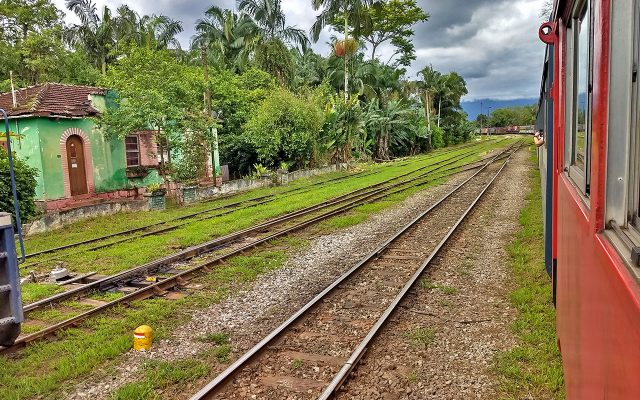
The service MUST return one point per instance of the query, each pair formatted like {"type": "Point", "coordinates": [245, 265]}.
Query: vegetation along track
{"type": "Point", "coordinates": [135, 283]}
{"type": "Point", "coordinates": [209, 213]}
{"type": "Point", "coordinates": [313, 352]}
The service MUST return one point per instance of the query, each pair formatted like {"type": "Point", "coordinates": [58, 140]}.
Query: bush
{"type": "Point", "coordinates": [284, 128]}
{"type": "Point", "coordinates": [25, 185]}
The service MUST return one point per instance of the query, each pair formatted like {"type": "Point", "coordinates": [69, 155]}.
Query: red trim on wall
{"type": "Point", "coordinates": [88, 160]}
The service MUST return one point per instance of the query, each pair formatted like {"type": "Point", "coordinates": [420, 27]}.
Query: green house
{"type": "Point", "coordinates": [53, 129]}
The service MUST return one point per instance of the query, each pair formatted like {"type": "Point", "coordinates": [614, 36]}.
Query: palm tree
{"type": "Point", "coordinates": [451, 87]}
{"type": "Point", "coordinates": [352, 12]}
{"type": "Point", "coordinates": [389, 122]}
{"type": "Point", "coordinates": [97, 34]}
{"type": "Point", "coordinates": [270, 22]}
{"type": "Point", "coordinates": [428, 86]}
{"type": "Point", "coordinates": [156, 32]}
{"type": "Point", "coordinates": [228, 37]}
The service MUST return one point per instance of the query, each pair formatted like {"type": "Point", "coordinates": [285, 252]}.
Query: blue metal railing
{"type": "Point", "coordinates": [16, 204]}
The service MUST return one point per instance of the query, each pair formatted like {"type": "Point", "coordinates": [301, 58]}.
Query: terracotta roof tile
{"type": "Point", "coordinates": [51, 100]}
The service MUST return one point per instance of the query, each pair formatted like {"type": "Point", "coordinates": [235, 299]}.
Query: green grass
{"type": "Point", "coordinates": [533, 369]}
{"type": "Point", "coordinates": [221, 353]}
{"type": "Point", "coordinates": [421, 337]}
{"type": "Point", "coordinates": [135, 252]}
{"type": "Point", "coordinates": [215, 338]}
{"type": "Point", "coordinates": [160, 375]}
{"type": "Point", "coordinates": [449, 290]}
{"type": "Point", "coordinates": [42, 368]}
{"type": "Point", "coordinates": [34, 291]}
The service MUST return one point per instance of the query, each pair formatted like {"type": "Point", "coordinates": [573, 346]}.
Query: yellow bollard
{"type": "Point", "coordinates": [142, 338]}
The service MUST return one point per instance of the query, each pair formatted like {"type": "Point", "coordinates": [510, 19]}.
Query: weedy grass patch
{"type": "Point", "coordinates": [533, 369]}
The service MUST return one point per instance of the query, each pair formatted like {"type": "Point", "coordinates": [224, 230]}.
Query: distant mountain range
{"type": "Point", "coordinates": [473, 107]}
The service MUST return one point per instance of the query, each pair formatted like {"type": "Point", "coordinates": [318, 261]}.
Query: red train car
{"type": "Point", "coordinates": [590, 112]}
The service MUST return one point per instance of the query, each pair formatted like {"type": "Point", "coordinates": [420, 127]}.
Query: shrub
{"type": "Point", "coordinates": [284, 128]}
{"type": "Point", "coordinates": [25, 185]}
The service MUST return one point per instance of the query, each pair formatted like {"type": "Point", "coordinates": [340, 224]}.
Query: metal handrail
{"type": "Point", "coordinates": [16, 204]}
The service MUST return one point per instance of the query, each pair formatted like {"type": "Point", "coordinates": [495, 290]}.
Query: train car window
{"type": "Point", "coordinates": [582, 77]}
{"type": "Point", "coordinates": [580, 90]}
{"type": "Point", "coordinates": [635, 129]}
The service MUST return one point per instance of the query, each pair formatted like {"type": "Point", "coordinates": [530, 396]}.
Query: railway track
{"type": "Point", "coordinates": [207, 214]}
{"type": "Point", "coordinates": [312, 354]}
{"type": "Point", "coordinates": [136, 285]}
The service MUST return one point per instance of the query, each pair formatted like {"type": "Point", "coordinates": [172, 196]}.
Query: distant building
{"type": "Point", "coordinates": [53, 130]}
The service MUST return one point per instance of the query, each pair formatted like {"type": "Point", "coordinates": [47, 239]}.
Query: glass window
{"type": "Point", "coordinates": [635, 139]}
{"type": "Point", "coordinates": [580, 128]}
{"type": "Point", "coordinates": [582, 78]}
{"type": "Point", "coordinates": [133, 151]}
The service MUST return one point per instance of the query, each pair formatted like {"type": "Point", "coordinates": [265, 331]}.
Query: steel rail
{"type": "Point", "coordinates": [263, 199]}
{"type": "Point", "coordinates": [342, 375]}
{"type": "Point", "coordinates": [194, 251]}
{"type": "Point", "coordinates": [222, 379]}
{"type": "Point", "coordinates": [181, 278]}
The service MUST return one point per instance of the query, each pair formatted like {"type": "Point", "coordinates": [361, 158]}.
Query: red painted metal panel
{"type": "Point", "coordinates": [598, 308]}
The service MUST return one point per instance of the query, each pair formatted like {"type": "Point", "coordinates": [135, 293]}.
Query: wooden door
{"type": "Point", "coordinates": [77, 171]}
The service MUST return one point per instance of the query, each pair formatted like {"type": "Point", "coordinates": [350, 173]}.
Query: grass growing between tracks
{"type": "Point", "coordinates": [533, 369]}
{"type": "Point", "coordinates": [41, 369]}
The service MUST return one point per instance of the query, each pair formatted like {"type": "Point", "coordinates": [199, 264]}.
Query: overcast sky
{"type": "Point", "coordinates": [492, 43]}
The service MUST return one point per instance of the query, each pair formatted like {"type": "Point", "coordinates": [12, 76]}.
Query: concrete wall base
{"type": "Point", "coordinates": [58, 219]}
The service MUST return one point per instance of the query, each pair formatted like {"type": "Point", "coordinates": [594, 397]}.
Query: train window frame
{"type": "Point", "coordinates": [579, 175]}
{"type": "Point", "coordinates": [634, 164]}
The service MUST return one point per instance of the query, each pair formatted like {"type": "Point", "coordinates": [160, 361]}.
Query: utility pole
{"type": "Point", "coordinates": [481, 119]}
{"type": "Point", "coordinates": [214, 130]}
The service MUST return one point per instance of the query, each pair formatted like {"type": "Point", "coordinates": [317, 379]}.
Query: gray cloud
{"type": "Point", "coordinates": [492, 44]}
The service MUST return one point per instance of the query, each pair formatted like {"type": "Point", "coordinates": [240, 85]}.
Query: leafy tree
{"type": "Point", "coordinates": [157, 32]}
{"type": "Point", "coordinates": [352, 13]}
{"type": "Point", "coordinates": [509, 116]}
{"type": "Point", "coordinates": [25, 186]}
{"type": "Point", "coordinates": [270, 22]}
{"type": "Point", "coordinates": [235, 98]}
{"type": "Point", "coordinates": [96, 33]}
{"type": "Point", "coordinates": [344, 130]}
{"type": "Point", "coordinates": [388, 122]}
{"type": "Point", "coordinates": [392, 21]}
{"type": "Point", "coordinates": [274, 57]}
{"type": "Point", "coordinates": [227, 37]}
{"type": "Point", "coordinates": [284, 128]}
{"type": "Point", "coordinates": [152, 91]}
{"type": "Point", "coordinates": [19, 18]}
{"type": "Point", "coordinates": [310, 69]}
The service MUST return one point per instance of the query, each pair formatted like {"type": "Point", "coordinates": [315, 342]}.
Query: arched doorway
{"type": "Point", "coordinates": [76, 166]}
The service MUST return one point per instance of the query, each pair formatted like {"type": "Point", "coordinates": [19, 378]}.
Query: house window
{"type": "Point", "coordinates": [579, 143]}
{"type": "Point", "coordinates": [132, 146]}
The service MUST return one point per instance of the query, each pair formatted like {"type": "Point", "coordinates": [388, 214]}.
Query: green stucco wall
{"type": "Point", "coordinates": [27, 147]}
{"type": "Point", "coordinates": [40, 146]}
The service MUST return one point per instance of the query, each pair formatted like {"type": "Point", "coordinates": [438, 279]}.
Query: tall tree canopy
{"type": "Point", "coordinates": [392, 21]}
